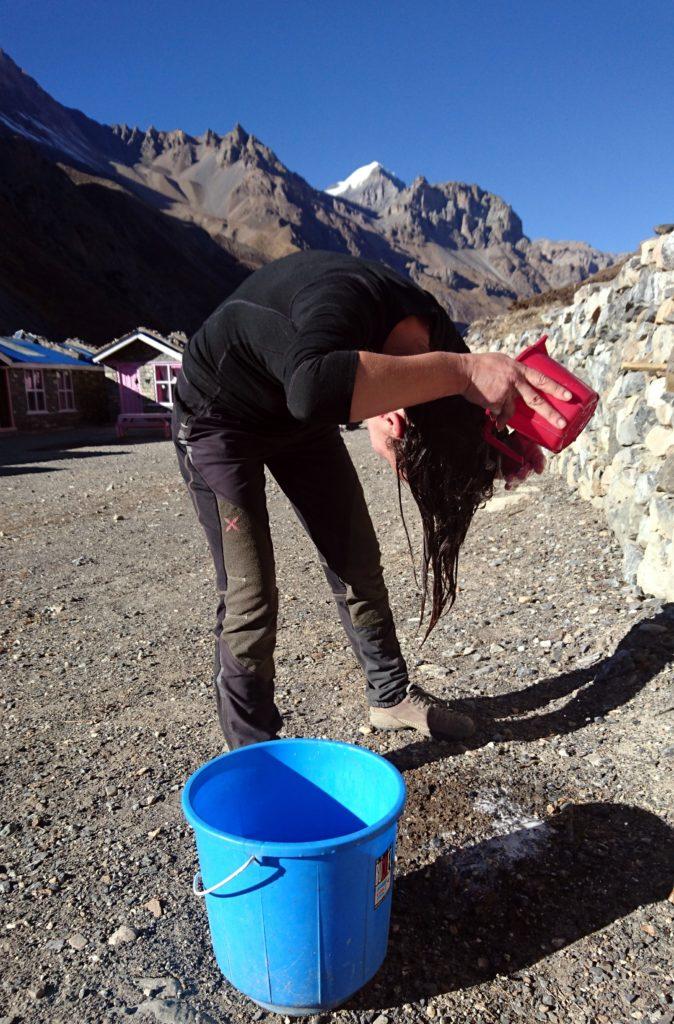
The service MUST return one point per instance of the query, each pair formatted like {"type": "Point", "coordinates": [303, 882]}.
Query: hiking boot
{"type": "Point", "coordinates": [421, 711]}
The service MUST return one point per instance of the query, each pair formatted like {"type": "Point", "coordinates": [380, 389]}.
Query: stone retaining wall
{"type": "Point", "coordinates": [618, 336]}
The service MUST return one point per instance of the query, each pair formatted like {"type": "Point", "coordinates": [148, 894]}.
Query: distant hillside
{"type": "Point", "coordinates": [111, 225]}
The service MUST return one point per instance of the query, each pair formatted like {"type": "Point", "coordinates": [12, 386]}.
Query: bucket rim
{"type": "Point", "coordinates": [296, 850]}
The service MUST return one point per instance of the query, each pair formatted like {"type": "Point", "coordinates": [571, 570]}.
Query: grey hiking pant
{"type": "Point", "coordinates": [223, 466]}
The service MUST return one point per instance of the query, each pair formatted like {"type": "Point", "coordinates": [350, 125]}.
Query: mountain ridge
{"type": "Point", "coordinates": [462, 243]}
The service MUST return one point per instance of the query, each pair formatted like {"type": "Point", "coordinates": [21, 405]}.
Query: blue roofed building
{"type": "Point", "coordinates": [44, 386]}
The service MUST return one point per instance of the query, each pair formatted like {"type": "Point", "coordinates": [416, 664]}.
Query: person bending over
{"type": "Point", "coordinates": [308, 342]}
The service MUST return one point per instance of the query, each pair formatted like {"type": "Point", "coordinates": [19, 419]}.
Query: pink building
{"type": "Point", "coordinates": [143, 365]}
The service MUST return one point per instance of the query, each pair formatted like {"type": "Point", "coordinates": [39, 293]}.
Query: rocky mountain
{"type": "Point", "coordinates": [239, 191]}
{"type": "Point", "coordinates": [371, 186]}
{"type": "Point", "coordinates": [241, 206]}
{"type": "Point", "coordinates": [467, 245]}
{"type": "Point", "coordinates": [80, 256]}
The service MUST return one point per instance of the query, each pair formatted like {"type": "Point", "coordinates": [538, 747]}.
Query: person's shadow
{"type": "Point", "coordinates": [644, 651]}
{"type": "Point", "coordinates": [506, 903]}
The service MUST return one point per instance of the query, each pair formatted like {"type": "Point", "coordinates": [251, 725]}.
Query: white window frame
{"type": "Point", "coordinates": [32, 377]}
{"type": "Point", "coordinates": [66, 391]}
{"type": "Point", "coordinates": [170, 382]}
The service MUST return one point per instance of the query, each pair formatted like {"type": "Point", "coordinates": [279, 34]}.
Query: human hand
{"type": "Point", "coordinates": [495, 382]}
{"type": "Point", "coordinates": [534, 460]}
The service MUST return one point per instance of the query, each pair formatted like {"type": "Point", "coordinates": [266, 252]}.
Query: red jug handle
{"type": "Point", "coordinates": [501, 446]}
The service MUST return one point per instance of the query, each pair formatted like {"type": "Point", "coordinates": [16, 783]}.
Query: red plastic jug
{"type": "Point", "coordinates": [577, 411]}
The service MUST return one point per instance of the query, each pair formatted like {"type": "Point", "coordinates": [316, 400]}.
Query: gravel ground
{"type": "Point", "coordinates": [534, 868]}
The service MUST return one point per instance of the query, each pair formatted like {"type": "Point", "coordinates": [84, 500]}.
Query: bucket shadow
{"type": "Point", "coordinates": [611, 682]}
{"type": "Point", "coordinates": [506, 903]}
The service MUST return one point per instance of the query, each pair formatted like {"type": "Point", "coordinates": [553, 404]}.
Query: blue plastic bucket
{"type": "Point", "coordinates": [296, 843]}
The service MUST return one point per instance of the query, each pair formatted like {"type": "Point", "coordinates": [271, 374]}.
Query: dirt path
{"type": "Point", "coordinates": [534, 867]}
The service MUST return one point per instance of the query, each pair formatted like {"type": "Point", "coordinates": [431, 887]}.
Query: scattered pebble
{"type": "Point", "coordinates": [485, 922]}
{"type": "Point", "coordinates": [155, 908]}
{"type": "Point", "coordinates": [122, 935]}
{"type": "Point", "coordinates": [167, 987]}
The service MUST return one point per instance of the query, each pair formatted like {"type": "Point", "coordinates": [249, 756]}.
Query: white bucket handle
{"type": "Point", "coordinates": [239, 871]}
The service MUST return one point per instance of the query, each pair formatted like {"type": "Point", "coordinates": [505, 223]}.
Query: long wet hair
{"type": "Point", "coordinates": [450, 470]}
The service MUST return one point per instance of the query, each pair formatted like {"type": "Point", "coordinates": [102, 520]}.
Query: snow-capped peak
{"type": "Point", "coordinates": [355, 180]}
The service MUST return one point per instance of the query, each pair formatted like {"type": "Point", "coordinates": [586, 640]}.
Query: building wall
{"type": "Point", "coordinates": [147, 380]}
{"type": "Point", "coordinates": [111, 380]}
{"type": "Point", "coordinates": [89, 394]}
{"type": "Point", "coordinates": [146, 358]}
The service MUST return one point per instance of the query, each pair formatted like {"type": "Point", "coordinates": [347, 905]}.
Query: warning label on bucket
{"type": "Point", "coordinates": [382, 876]}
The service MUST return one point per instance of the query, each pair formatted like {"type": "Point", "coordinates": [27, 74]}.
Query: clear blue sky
{"type": "Point", "coordinates": [563, 107]}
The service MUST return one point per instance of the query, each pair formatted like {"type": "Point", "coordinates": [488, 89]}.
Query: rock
{"type": "Point", "coordinates": [624, 518]}
{"type": "Point", "coordinates": [628, 274]}
{"type": "Point", "coordinates": [123, 935]}
{"type": "Point", "coordinates": [365, 730]}
{"type": "Point", "coordinates": [662, 342]}
{"type": "Point", "coordinates": [656, 571]}
{"type": "Point", "coordinates": [659, 440]}
{"type": "Point", "coordinates": [663, 229]}
{"type": "Point", "coordinates": [664, 252]}
{"type": "Point", "coordinates": [381, 1019]}
{"type": "Point", "coordinates": [39, 991]}
{"type": "Point", "coordinates": [645, 533]}
{"type": "Point", "coordinates": [655, 391]}
{"type": "Point", "coordinates": [626, 385]}
{"type": "Point", "coordinates": [647, 250]}
{"type": "Point", "coordinates": [665, 312]}
{"type": "Point", "coordinates": [439, 671]}
{"type": "Point", "coordinates": [170, 1011]}
{"type": "Point", "coordinates": [155, 907]}
{"type": "Point", "coordinates": [644, 488]}
{"type": "Point", "coordinates": [661, 509]}
{"type": "Point", "coordinates": [117, 518]}
{"type": "Point", "coordinates": [664, 413]}
{"type": "Point", "coordinates": [168, 987]}
{"type": "Point", "coordinates": [632, 420]}
{"type": "Point", "coordinates": [77, 941]}
{"type": "Point", "coordinates": [650, 292]}
{"type": "Point", "coordinates": [664, 478]}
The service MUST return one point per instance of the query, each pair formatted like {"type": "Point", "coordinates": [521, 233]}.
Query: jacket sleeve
{"type": "Point", "coordinates": [334, 319]}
